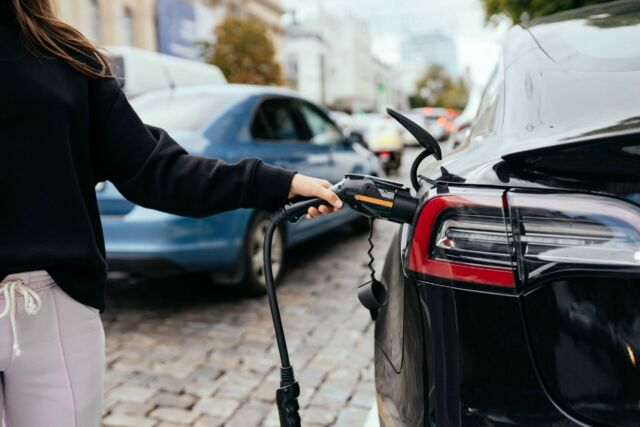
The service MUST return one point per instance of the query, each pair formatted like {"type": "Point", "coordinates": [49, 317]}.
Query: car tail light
{"type": "Point", "coordinates": [561, 233]}
{"type": "Point", "coordinates": [492, 238]}
{"type": "Point", "coordinates": [463, 239]}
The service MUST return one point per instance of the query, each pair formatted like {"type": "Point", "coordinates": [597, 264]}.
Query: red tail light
{"type": "Point", "coordinates": [478, 237]}
{"type": "Point", "coordinates": [463, 238]}
{"type": "Point", "coordinates": [566, 233]}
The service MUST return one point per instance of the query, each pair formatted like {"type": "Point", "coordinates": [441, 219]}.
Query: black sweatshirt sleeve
{"type": "Point", "coordinates": [150, 169]}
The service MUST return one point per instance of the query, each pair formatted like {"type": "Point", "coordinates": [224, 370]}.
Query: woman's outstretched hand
{"type": "Point", "coordinates": [306, 186]}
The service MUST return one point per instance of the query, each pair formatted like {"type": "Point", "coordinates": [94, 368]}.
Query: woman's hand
{"type": "Point", "coordinates": [306, 186]}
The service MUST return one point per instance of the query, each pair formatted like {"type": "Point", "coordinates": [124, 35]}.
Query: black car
{"type": "Point", "coordinates": [514, 297]}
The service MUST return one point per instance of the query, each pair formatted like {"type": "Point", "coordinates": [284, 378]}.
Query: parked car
{"type": "Point", "coordinates": [384, 139]}
{"type": "Point", "coordinates": [343, 120]}
{"type": "Point", "coordinates": [514, 298]}
{"type": "Point", "coordinates": [230, 122]}
{"type": "Point", "coordinates": [437, 121]}
{"type": "Point", "coordinates": [140, 71]}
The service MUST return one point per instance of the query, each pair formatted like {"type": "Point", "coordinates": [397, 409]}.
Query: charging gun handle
{"type": "Point", "coordinates": [298, 207]}
{"type": "Point", "coordinates": [288, 407]}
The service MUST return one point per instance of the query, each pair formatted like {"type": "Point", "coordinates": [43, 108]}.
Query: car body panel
{"type": "Point", "coordinates": [399, 353]}
{"type": "Point", "coordinates": [585, 335]}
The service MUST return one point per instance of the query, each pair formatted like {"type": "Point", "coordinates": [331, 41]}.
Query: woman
{"type": "Point", "coordinates": [64, 126]}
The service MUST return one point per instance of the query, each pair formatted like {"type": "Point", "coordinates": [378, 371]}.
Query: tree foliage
{"type": "Point", "coordinates": [518, 10]}
{"type": "Point", "coordinates": [436, 88]}
{"type": "Point", "coordinates": [244, 52]}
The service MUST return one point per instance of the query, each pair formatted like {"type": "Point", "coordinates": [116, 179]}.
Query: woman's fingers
{"type": "Point", "coordinates": [321, 210]}
{"type": "Point", "coordinates": [328, 195]}
{"type": "Point", "coordinates": [325, 210]}
{"type": "Point", "coordinates": [314, 187]}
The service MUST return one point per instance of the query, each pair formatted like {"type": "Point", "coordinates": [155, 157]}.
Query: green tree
{"type": "Point", "coordinates": [244, 52]}
{"type": "Point", "coordinates": [519, 10]}
{"type": "Point", "coordinates": [436, 88]}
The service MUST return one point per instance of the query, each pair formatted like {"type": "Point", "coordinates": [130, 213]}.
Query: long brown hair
{"type": "Point", "coordinates": [46, 33]}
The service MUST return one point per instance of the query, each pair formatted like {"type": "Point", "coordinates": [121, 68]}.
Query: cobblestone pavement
{"type": "Point", "coordinates": [184, 353]}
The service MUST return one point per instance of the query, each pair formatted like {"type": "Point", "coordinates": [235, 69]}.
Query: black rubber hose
{"type": "Point", "coordinates": [414, 169]}
{"type": "Point", "coordinates": [271, 292]}
{"type": "Point", "coordinates": [289, 391]}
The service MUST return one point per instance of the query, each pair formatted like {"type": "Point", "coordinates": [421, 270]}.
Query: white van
{"type": "Point", "coordinates": [141, 71]}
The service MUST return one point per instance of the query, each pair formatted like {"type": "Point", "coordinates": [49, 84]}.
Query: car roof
{"type": "Point", "coordinates": [566, 80]}
{"type": "Point", "coordinates": [235, 89]}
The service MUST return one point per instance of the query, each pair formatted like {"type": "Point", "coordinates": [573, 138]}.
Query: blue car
{"type": "Point", "coordinates": [229, 122]}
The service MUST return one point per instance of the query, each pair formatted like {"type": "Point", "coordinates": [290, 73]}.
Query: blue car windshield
{"type": "Point", "coordinates": [177, 111]}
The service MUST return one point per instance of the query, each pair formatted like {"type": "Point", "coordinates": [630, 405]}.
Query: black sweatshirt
{"type": "Point", "coordinates": [60, 134]}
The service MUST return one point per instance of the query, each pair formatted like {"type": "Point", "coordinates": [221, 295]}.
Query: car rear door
{"type": "Point", "coordinates": [281, 137]}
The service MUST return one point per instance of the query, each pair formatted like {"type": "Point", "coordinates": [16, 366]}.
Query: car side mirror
{"type": "Point", "coordinates": [356, 137]}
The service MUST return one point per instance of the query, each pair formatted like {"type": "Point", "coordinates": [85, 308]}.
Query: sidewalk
{"type": "Point", "coordinates": [180, 354]}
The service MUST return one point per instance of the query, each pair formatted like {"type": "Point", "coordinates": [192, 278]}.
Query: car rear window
{"type": "Point", "coordinates": [186, 111]}
{"type": "Point", "coordinates": [603, 38]}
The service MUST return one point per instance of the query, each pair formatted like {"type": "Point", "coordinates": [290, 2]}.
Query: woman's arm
{"type": "Point", "coordinates": [150, 169]}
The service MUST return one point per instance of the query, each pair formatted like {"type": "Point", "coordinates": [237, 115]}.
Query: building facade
{"type": "Point", "coordinates": [305, 54]}
{"type": "Point", "coordinates": [113, 22]}
{"type": "Point", "coordinates": [135, 22]}
{"type": "Point", "coordinates": [329, 60]}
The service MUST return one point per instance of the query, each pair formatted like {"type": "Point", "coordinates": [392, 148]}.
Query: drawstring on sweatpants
{"type": "Point", "coordinates": [32, 304]}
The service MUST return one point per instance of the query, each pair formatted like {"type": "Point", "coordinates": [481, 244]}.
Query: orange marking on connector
{"type": "Point", "coordinates": [374, 201]}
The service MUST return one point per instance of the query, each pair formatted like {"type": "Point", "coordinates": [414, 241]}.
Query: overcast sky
{"type": "Point", "coordinates": [390, 21]}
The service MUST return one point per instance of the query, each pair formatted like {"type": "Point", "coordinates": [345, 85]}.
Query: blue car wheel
{"type": "Point", "coordinates": [253, 252]}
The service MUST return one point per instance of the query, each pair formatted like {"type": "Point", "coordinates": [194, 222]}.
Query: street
{"type": "Point", "coordinates": [182, 352]}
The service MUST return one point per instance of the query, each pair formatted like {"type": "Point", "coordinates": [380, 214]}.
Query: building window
{"type": "Point", "coordinates": [93, 29]}
{"type": "Point", "coordinates": [292, 71]}
{"type": "Point", "coordinates": [127, 27]}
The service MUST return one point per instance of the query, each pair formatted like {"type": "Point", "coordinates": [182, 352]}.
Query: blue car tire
{"type": "Point", "coordinates": [253, 267]}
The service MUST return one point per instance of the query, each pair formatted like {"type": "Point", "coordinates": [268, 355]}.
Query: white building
{"type": "Point", "coordinates": [305, 62]}
{"type": "Point", "coordinates": [389, 91]}
{"type": "Point", "coordinates": [171, 26]}
{"type": "Point", "coordinates": [112, 22]}
{"type": "Point", "coordinates": [337, 51]}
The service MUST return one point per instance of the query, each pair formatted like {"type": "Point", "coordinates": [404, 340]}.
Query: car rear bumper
{"type": "Point", "coordinates": [171, 244]}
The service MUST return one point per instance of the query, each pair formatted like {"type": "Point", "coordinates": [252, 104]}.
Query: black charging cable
{"type": "Point", "coordinates": [370, 196]}
{"type": "Point", "coordinates": [289, 391]}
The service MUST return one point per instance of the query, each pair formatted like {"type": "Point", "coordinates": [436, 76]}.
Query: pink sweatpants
{"type": "Point", "coordinates": [57, 379]}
